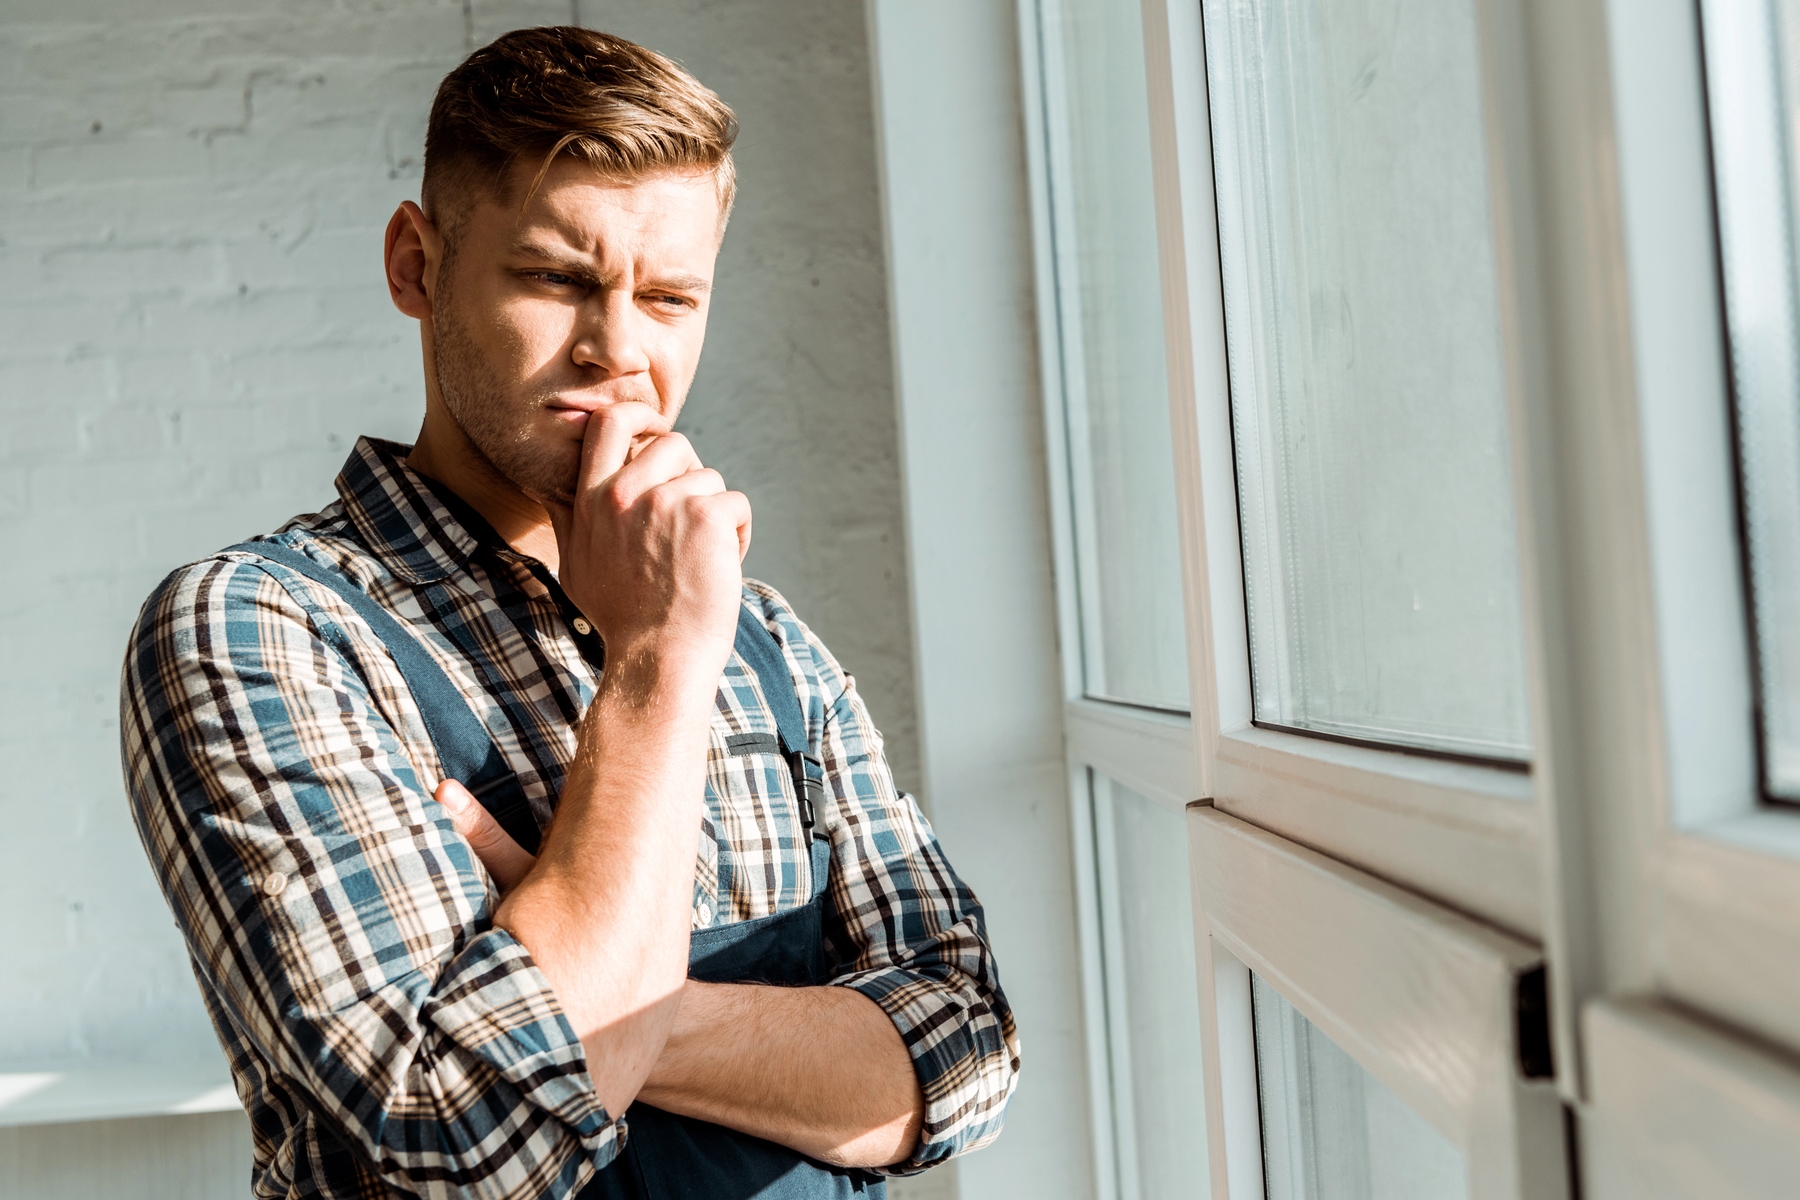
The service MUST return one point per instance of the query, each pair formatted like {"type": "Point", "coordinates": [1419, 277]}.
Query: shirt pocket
{"type": "Point", "coordinates": [763, 866]}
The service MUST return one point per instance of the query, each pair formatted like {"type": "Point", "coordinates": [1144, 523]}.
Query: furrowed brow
{"type": "Point", "coordinates": [678, 283]}
{"type": "Point", "coordinates": [552, 254]}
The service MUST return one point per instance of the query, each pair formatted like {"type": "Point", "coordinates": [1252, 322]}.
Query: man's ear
{"type": "Point", "coordinates": [413, 251]}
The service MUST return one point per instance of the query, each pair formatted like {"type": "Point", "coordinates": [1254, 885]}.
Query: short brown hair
{"type": "Point", "coordinates": [538, 93]}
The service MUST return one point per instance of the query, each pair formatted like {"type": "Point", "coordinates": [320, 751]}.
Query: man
{"type": "Point", "coordinates": [403, 1016]}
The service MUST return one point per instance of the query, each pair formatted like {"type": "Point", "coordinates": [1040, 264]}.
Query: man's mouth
{"type": "Point", "coordinates": [573, 417]}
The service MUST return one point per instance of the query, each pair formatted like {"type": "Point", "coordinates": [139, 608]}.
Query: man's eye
{"type": "Point", "coordinates": [673, 301]}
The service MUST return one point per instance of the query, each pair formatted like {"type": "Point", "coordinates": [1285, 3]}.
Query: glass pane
{"type": "Point", "coordinates": [1121, 462]}
{"type": "Point", "coordinates": [1153, 1006]}
{"type": "Point", "coordinates": [1754, 126]}
{"type": "Point", "coordinates": [1366, 383]}
{"type": "Point", "coordinates": [1331, 1130]}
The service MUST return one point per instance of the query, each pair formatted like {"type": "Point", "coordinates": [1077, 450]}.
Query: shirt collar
{"type": "Point", "coordinates": [401, 517]}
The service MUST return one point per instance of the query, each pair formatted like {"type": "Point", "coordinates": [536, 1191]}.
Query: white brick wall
{"type": "Point", "coordinates": [193, 330]}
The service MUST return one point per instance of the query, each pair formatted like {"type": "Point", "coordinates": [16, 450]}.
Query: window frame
{"type": "Point", "coordinates": [1671, 862]}
{"type": "Point", "coordinates": [1404, 816]}
{"type": "Point", "coordinates": [1370, 964]}
{"type": "Point", "coordinates": [1149, 750]}
{"type": "Point", "coordinates": [1408, 817]}
{"type": "Point", "coordinates": [1355, 819]}
{"type": "Point", "coordinates": [1639, 851]}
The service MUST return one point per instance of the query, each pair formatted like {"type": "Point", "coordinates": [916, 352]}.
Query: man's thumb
{"type": "Point", "coordinates": [505, 859]}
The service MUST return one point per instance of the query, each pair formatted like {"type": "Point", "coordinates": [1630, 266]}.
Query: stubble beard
{"type": "Point", "coordinates": [495, 421]}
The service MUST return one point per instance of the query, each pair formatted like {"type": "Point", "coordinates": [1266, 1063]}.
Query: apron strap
{"type": "Point", "coordinates": [466, 750]}
{"type": "Point", "coordinates": [758, 647]}
{"type": "Point", "coordinates": [821, 865]}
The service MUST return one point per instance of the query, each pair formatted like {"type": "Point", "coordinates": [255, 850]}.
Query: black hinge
{"type": "Point", "coordinates": [1531, 1020]}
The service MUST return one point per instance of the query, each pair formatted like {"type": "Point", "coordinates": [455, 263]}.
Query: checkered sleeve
{"type": "Point", "coordinates": [907, 932]}
{"type": "Point", "coordinates": [342, 925]}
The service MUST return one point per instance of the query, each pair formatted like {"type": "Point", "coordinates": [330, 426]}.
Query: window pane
{"type": "Point", "coordinates": [1366, 383]}
{"type": "Point", "coordinates": [1153, 1017]}
{"type": "Point", "coordinates": [1753, 94]}
{"type": "Point", "coordinates": [1331, 1130]}
{"type": "Point", "coordinates": [1121, 461]}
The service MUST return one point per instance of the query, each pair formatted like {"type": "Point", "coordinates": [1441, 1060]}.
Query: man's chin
{"type": "Point", "coordinates": [544, 483]}
{"type": "Point", "coordinates": [557, 498]}
{"type": "Point", "coordinates": [544, 473]}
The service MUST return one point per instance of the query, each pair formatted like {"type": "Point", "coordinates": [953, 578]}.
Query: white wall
{"type": "Point", "coordinates": [193, 330]}
{"type": "Point", "coordinates": [990, 680]}
{"type": "Point", "coordinates": [795, 397]}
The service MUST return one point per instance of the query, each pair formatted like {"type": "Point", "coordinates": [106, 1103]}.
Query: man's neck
{"type": "Point", "coordinates": [444, 454]}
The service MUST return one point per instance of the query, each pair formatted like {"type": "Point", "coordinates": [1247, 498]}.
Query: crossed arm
{"type": "Point", "coordinates": [821, 1070]}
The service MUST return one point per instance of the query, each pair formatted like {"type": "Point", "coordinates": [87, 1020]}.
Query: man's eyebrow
{"type": "Point", "coordinates": [530, 249]}
{"type": "Point", "coordinates": [575, 260]}
{"type": "Point", "coordinates": [679, 283]}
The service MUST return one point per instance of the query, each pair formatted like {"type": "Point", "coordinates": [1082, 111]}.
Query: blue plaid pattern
{"type": "Point", "coordinates": [384, 1037]}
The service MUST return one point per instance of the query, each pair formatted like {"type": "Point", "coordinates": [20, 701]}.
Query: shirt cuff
{"type": "Point", "coordinates": [965, 1054]}
{"type": "Point", "coordinates": [496, 1004]}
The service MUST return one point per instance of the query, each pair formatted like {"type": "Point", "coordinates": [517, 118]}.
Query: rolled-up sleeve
{"type": "Point", "coordinates": [337, 920]}
{"type": "Point", "coordinates": [909, 933]}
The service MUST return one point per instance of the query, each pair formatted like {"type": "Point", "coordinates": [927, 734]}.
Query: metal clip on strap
{"type": "Point", "coordinates": [757, 646]}
{"type": "Point", "coordinates": [809, 786]}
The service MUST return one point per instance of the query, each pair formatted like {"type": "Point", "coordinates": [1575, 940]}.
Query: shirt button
{"type": "Point", "coordinates": [582, 627]}
{"type": "Point", "coordinates": [704, 912]}
{"type": "Point", "coordinates": [274, 883]}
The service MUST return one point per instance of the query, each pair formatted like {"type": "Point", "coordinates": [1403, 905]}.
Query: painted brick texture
{"type": "Point", "coordinates": [191, 205]}
{"type": "Point", "coordinates": [193, 330]}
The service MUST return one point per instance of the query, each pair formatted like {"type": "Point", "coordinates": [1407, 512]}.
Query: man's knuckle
{"type": "Point", "coordinates": [611, 500]}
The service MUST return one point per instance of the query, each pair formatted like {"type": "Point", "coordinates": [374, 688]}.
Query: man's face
{"type": "Point", "coordinates": [595, 293]}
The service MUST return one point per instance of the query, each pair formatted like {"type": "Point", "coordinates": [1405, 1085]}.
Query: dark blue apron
{"type": "Point", "coordinates": [666, 1156]}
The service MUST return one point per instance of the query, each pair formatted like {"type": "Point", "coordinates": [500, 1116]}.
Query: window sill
{"type": "Point", "coordinates": [102, 1090]}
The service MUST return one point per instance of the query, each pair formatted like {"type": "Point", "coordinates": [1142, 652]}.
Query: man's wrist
{"type": "Point", "coordinates": [659, 670]}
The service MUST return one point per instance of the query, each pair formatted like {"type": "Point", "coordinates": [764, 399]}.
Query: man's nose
{"type": "Point", "coordinates": [611, 336]}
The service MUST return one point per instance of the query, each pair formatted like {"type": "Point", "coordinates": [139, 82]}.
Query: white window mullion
{"type": "Point", "coordinates": [1150, 752]}
{"type": "Point", "coordinates": [1194, 345]}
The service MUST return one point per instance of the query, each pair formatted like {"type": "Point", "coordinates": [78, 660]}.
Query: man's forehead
{"type": "Point", "coordinates": [576, 209]}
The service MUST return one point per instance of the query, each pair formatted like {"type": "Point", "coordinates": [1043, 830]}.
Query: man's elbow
{"type": "Point", "coordinates": [890, 1140]}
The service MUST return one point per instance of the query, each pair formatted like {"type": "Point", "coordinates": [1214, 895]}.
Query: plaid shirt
{"type": "Point", "coordinates": [384, 1036]}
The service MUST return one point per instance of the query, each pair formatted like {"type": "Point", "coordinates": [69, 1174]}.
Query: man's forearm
{"type": "Point", "coordinates": [821, 1070]}
{"type": "Point", "coordinates": [606, 910]}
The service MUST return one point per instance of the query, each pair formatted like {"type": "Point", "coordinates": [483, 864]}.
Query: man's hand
{"type": "Point", "coordinates": [650, 549]}
{"type": "Point", "coordinates": [820, 1070]}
